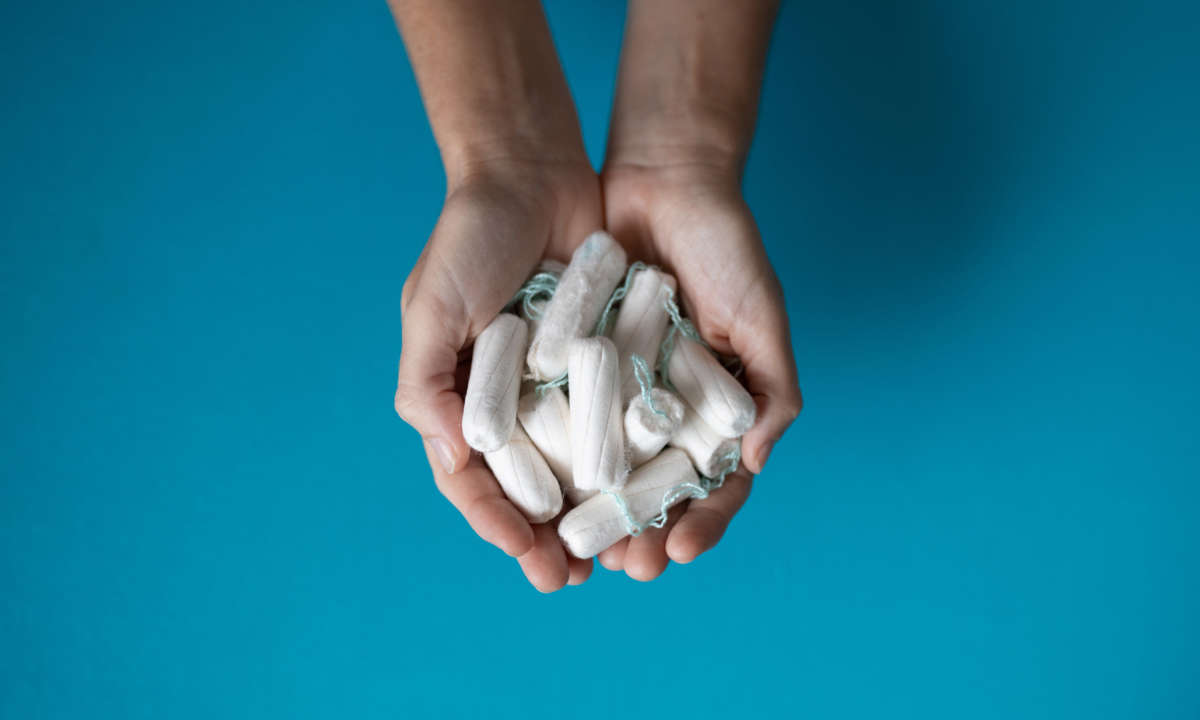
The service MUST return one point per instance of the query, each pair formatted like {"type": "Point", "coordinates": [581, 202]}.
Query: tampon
{"type": "Point", "coordinates": [490, 405]}
{"type": "Point", "coordinates": [526, 478]}
{"type": "Point", "coordinates": [599, 522]}
{"type": "Point", "coordinates": [647, 431]}
{"type": "Point", "coordinates": [597, 442]}
{"type": "Point", "coordinates": [547, 422]}
{"type": "Point", "coordinates": [577, 495]}
{"type": "Point", "coordinates": [709, 388]}
{"type": "Point", "coordinates": [641, 324]}
{"type": "Point", "coordinates": [583, 290]}
{"type": "Point", "coordinates": [707, 449]}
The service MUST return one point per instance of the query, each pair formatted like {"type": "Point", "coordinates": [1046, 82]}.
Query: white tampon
{"type": "Point", "coordinates": [547, 422]}
{"type": "Point", "coordinates": [599, 522]}
{"type": "Point", "coordinates": [641, 324]}
{"type": "Point", "coordinates": [709, 388]}
{"type": "Point", "coordinates": [583, 290]}
{"type": "Point", "coordinates": [490, 405]}
{"type": "Point", "coordinates": [597, 440]}
{"type": "Point", "coordinates": [707, 449]}
{"type": "Point", "coordinates": [647, 431]}
{"type": "Point", "coordinates": [577, 496]}
{"type": "Point", "coordinates": [526, 478]}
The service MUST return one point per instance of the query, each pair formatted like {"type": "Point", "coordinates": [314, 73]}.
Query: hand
{"type": "Point", "coordinates": [520, 187]}
{"type": "Point", "coordinates": [689, 218]}
{"type": "Point", "coordinates": [499, 219]}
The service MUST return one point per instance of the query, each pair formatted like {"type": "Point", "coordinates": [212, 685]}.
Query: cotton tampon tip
{"type": "Point", "coordinates": [647, 429]}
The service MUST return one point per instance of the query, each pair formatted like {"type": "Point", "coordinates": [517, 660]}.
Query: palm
{"type": "Point", "coordinates": [491, 234]}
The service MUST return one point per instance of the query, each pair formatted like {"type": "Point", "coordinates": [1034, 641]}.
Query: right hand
{"type": "Point", "coordinates": [500, 218]}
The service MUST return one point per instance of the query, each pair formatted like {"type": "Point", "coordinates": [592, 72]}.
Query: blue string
{"type": "Point", "coordinates": [686, 490]}
{"type": "Point", "coordinates": [677, 319]}
{"type": "Point", "coordinates": [542, 388]}
{"type": "Point", "coordinates": [645, 379]}
{"type": "Point", "coordinates": [538, 287]}
{"type": "Point", "coordinates": [679, 324]}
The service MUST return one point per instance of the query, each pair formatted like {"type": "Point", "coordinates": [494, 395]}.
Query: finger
{"type": "Point", "coordinates": [578, 570]}
{"type": "Point", "coordinates": [613, 557]}
{"type": "Point", "coordinates": [702, 526]}
{"type": "Point", "coordinates": [646, 557]}
{"type": "Point", "coordinates": [762, 339]}
{"type": "Point", "coordinates": [425, 389]}
{"type": "Point", "coordinates": [545, 564]}
{"type": "Point", "coordinates": [474, 491]}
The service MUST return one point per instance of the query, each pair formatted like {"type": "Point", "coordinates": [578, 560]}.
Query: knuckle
{"type": "Point", "coordinates": [718, 518]}
{"type": "Point", "coordinates": [405, 402]}
{"type": "Point", "coordinates": [793, 404]}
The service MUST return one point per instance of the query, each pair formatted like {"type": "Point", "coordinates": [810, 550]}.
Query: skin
{"type": "Point", "coordinates": [520, 188]}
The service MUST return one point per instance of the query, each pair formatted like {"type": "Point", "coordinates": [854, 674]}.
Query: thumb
{"type": "Point", "coordinates": [426, 397]}
{"type": "Point", "coordinates": [763, 341]}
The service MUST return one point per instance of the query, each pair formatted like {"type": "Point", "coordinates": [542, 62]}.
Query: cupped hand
{"type": "Point", "coordinates": [499, 220]}
{"type": "Point", "coordinates": [690, 218]}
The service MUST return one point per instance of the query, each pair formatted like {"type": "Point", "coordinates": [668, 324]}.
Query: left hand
{"type": "Point", "coordinates": [690, 219]}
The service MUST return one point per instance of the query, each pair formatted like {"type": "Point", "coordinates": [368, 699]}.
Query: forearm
{"type": "Point", "coordinates": [490, 80]}
{"type": "Point", "coordinates": [689, 82]}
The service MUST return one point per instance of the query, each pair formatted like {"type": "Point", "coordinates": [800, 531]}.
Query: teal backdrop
{"type": "Point", "coordinates": [987, 220]}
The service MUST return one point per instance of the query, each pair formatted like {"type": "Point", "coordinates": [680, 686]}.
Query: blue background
{"type": "Point", "coordinates": [987, 220]}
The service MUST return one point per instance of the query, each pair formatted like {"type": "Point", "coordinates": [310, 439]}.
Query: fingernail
{"type": "Point", "coordinates": [764, 454]}
{"type": "Point", "coordinates": [444, 453]}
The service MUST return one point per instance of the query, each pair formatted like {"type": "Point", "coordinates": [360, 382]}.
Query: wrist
{"type": "Point", "coordinates": [688, 84]}
{"type": "Point", "coordinates": [492, 148]}
{"type": "Point", "coordinates": [685, 135]}
{"type": "Point", "coordinates": [491, 82]}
